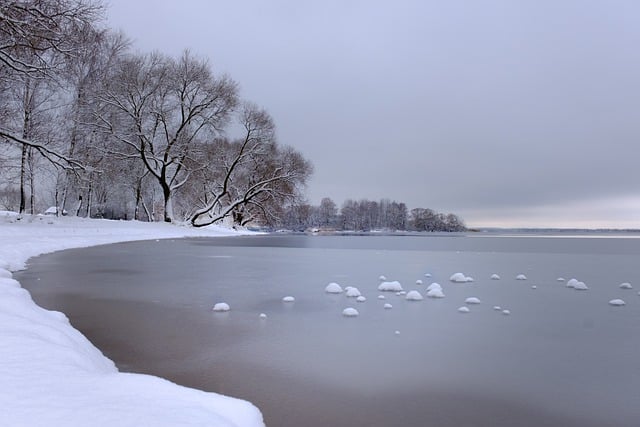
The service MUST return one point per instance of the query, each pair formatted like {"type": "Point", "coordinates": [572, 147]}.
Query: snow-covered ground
{"type": "Point", "coordinates": [51, 375]}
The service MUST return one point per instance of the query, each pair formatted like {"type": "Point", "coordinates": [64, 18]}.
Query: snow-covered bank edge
{"type": "Point", "coordinates": [50, 374]}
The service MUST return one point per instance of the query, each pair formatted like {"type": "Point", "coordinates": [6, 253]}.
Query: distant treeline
{"type": "Point", "coordinates": [365, 215]}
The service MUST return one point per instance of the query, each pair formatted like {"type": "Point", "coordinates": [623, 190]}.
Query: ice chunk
{"type": "Point", "coordinates": [497, 308]}
{"type": "Point", "coordinates": [460, 278]}
{"type": "Point", "coordinates": [382, 278]}
{"type": "Point", "coordinates": [435, 293]}
{"type": "Point", "coordinates": [472, 300]}
{"type": "Point", "coordinates": [433, 286]}
{"type": "Point", "coordinates": [506, 312]}
{"type": "Point", "coordinates": [361, 299]}
{"type": "Point", "coordinates": [350, 312]}
{"type": "Point", "coordinates": [580, 286]}
{"type": "Point", "coordinates": [427, 274]}
{"type": "Point", "coordinates": [626, 285]}
{"type": "Point", "coordinates": [352, 292]}
{"type": "Point", "coordinates": [418, 282]}
{"type": "Point", "coordinates": [617, 302]}
{"type": "Point", "coordinates": [534, 287]}
{"type": "Point", "coordinates": [288, 299]}
{"type": "Point", "coordinates": [495, 277]}
{"type": "Point", "coordinates": [387, 306]}
{"type": "Point", "coordinates": [221, 306]}
{"type": "Point", "coordinates": [333, 288]}
{"type": "Point", "coordinates": [463, 310]}
{"type": "Point", "coordinates": [414, 296]}
{"type": "Point", "coordinates": [397, 332]}
{"type": "Point", "coordinates": [521, 277]}
{"type": "Point", "coordinates": [560, 279]}
{"type": "Point", "coordinates": [572, 283]}
{"type": "Point", "coordinates": [263, 316]}
{"type": "Point", "coordinates": [393, 286]}
{"type": "Point", "coordinates": [381, 297]}
{"type": "Point", "coordinates": [401, 293]}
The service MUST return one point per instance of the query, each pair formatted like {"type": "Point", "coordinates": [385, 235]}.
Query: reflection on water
{"type": "Point", "coordinates": [563, 358]}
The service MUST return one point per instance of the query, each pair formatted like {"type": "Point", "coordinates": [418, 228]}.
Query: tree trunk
{"type": "Point", "coordinates": [23, 173]}
{"type": "Point", "coordinates": [168, 203]}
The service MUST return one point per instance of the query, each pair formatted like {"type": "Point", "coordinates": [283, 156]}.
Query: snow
{"type": "Point", "coordinates": [221, 306]}
{"type": "Point", "coordinates": [288, 298]}
{"type": "Point", "coordinates": [572, 283]}
{"type": "Point", "coordinates": [50, 374]}
{"type": "Point", "coordinates": [495, 277]}
{"type": "Point", "coordinates": [387, 306]}
{"type": "Point", "coordinates": [333, 288]}
{"type": "Point", "coordinates": [263, 316]}
{"type": "Point", "coordinates": [435, 293]}
{"type": "Point", "coordinates": [394, 286]}
{"type": "Point", "coordinates": [506, 312]}
{"type": "Point", "coordinates": [381, 297]}
{"type": "Point", "coordinates": [625, 285]}
{"type": "Point", "coordinates": [418, 282]}
{"type": "Point", "coordinates": [472, 300]}
{"type": "Point", "coordinates": [521, 277]}
{"type": "Point", "coordinates": [350, 312]}
{"type": "Point", "coordinates": [534, 287]}
{"type": "Point", "coordinates": [361, 299]}
{"type": "Point", "coordinates": [433, 286]}
{"type": "Point", "coordinates": [460, 278]}
{"type": "Point", "coordinates": [352, 292]}
{"type": "Point", "coordinates": [580, 286]}
{"type": "Point", "coordinates": [382, 278]}
{"type": "Point", "coordinates": [414, 296]}
{"type": "Point", "coordinates": [427, 275]}
{"type": "Point", "coordinates": [497, 308]}
{"type": "Point", "coordinates": [560, 279]}
{"type": "Point", "coordinates": [463, 310]}
{"type": "Point", "coordinates": [617, 302]}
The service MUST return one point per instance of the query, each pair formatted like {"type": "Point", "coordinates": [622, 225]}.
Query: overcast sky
{"type": "Point", "coordinates": [505, 112]}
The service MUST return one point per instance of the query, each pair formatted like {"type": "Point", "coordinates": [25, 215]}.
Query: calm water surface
{"type": "Point", "coordinates": [562, 358]}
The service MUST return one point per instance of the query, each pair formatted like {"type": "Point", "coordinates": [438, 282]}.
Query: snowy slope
{"type": "Point", "coordinates": [51, 375]}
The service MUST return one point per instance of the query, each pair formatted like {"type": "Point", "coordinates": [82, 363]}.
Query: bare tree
{"type": "Point", "coordinates": [252, 175]}
{"type": "Point", "coordinates": [166, 106]}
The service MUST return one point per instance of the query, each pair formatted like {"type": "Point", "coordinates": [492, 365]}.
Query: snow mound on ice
{"type": "Point", "coordinates": [401, 293]}
{"type": "Point", "coordinates": [460, 278]}
{"type": "Point", "coordinates": [263, 316]}
{"type": "Point", "coordinates": [506, 312]}
{"type": "Point", "coordinates": [382, 278]}
{"type": "Point", "coordinates": [350, 312]}
{"type": "Point", "coordinates": [418, 282]}
{"type": "Point", "coordinates": [521, 277]}
{"type": "Point", "coordinates": [361, 298]}
{"type": "Point", "coordinates": [393, 286]}
{"type": "Point", "coordinates": [435, 293]}
{"type": "Point", "coordinates": [288, 298]}
{"type": "Point", "coordinates": [433, 286]}
{"type": "Point", "coordinates": [560, 279]}
{"type": "Point", "coordinates": [414, 296]}
{"type": "Point", "coordinates": [572, 283]}
{"type": "Point", "coordinates": [580, 286]}
{"type": "Point", "coordinates": [221, 306]}
{"type": "Point", "coordinates": [617, 302]}
{"type": "Point", "coordinates": [387, 306]}
{"type": "Point", "coordinates": [381, 297]}
{"type": "Point", "coordinates": [333, 288]}
{"type": "Point", "coordinates": [472, 300]}
{"type": "Point", "coordinates": [495, 277]}
{"type": "Point", "coordinates": [625, 285]}
{"type": "Point", "coordinates": [352, 292]}
{"type": "Point", "coordinates": [497, 308]}
{"type": "Point", "coordinates": [463, 310]}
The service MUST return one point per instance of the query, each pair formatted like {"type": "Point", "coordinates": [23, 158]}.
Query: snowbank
{"type": "Point", "coordinates": [50, 374]}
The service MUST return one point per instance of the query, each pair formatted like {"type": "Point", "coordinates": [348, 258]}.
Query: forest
{"type": "Point", "coordinates": [92, 127]}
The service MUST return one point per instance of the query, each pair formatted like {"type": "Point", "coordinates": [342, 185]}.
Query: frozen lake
{"type": "Point", "coordinates": [562, 358]}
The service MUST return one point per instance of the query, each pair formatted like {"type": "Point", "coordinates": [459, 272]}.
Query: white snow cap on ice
{"type": "Point", "coordinates": [381, 297]}
{"type": "Point", "coordinates": [418, 282]}
{"type": "Point", "coordinates": [401, 293]}
{"type": "Point", "coordinates": [506, 312]}
{"type": "Point", "coordinates": [427, 275]}
{"type": "Point", "coordinates": [361, 298]}
{"type": "Point", "coordinates": [495, 277]}
{"type": "Point", "coordinates": [521, 277]}
{"type": "Point", "coordinates": [626, 285]}
{"type": "Point", "coordinates": [352, 292]}
{"type": "Point", "coordinates": [393, 286]}
{"type": "Point", "coordinates": [497, 308]}
{"type": "Point", "coordinates": [387, 306]}
{"type": "Point", "coordinates": [472, 300]}
{"type": "Point", "coordinates": [617, 302]}
{"type": "Point", "coordinates": [435, 293]}
{"type": "Point", "coordinates": [433, 286]}
{"type": "Point", "coordinates": [460, 278]}
{"type": "Point", "coordinates": [382, 278]}
{"type": "Point", "coordinates": [333, 288]}
{"type": "Point", "coordinates": [414, 296]}
{"type": "Point", "coordinates": [572, 283]}
{"type": "Point", "coordinates": [580, 286]}
{"type": "Point", "coordinates": [463, 310]}
{"type": "Point", "coordinates": [534, 287]}
{"type": "Point", "coordinates": [221, 306]}
{"type": "Point", "coordinates": [560, 279]}
{"type": "Point", "coordinates": [263, 316]}
{"type": "Point", "coordinates": [350, 312]}
{"type": "Point", "coordinates": [288, 298]}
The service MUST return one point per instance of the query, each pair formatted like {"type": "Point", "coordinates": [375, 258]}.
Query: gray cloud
{"type": "Point", "coordinates": [466, 106]}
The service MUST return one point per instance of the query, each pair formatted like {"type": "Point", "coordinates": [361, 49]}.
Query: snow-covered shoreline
{"type": "Point", "coordinates": [50, 374]}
